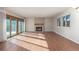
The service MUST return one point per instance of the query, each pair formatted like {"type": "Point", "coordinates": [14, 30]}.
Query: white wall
{"type": "Point", "coordinates": [71, 32]}
{"type": "Point", "coordinates": [2, 25]}
{"type": "Point", "coordinates": [48, 24]}
{"type": "Point", "coordinates": [30, 24]}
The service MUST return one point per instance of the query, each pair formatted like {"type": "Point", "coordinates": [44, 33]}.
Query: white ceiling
{"type": "Point", "coordinates": [36, 11]}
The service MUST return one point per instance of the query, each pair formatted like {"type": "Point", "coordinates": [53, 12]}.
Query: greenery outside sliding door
{"type": "Point", "coordinates": [14, 26]}
{"type": "Point", "coordinates": [8, 26]}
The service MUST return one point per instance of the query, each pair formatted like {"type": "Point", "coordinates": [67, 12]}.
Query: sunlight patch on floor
{"type": "Point", "coordinates": [31, 41]}
{"type": "Point", "coordinates": [37, 35]}
{"type": "Point", "coordinates": [28, 46]}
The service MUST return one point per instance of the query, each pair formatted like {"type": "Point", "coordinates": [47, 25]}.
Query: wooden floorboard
{"type": "Point", "coordinates": [39, 41]}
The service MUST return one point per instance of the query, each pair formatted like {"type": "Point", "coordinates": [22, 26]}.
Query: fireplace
{"type": "Point", "coordinates": [38, 28]}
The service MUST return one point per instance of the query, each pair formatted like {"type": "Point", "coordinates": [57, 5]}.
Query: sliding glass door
{"type": "Point", "coordinates": [8, 26]}
{"type": "Point", "coordinates": [14, 26]}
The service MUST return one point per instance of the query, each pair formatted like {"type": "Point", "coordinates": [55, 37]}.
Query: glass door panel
{"type": "Point", "coordinates": [19, 26]}
{"type": "Point", "coordinates": [8, 26]}
{"type": "Point", "coordinates": [14, 26]}
{"type": "Point", "coordinates": [23, 27]}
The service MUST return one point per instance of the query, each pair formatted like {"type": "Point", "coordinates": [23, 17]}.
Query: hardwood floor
{"type": "Point", "coordinates": [38, 41]}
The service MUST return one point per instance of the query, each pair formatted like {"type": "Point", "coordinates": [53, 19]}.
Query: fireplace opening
{"type": "Point", "coordinates": [38, 28]}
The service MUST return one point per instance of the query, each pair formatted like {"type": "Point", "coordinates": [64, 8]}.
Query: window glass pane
{"type": "Point", "coordinates": [68, 20]}
{"type": "Point", "coordinates": [68, 23]}
{"type": "Point", "coordinates": [67, 17]}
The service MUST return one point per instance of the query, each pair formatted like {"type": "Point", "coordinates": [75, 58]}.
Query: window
{"type": "Point", "coordinates": [66, 21]}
